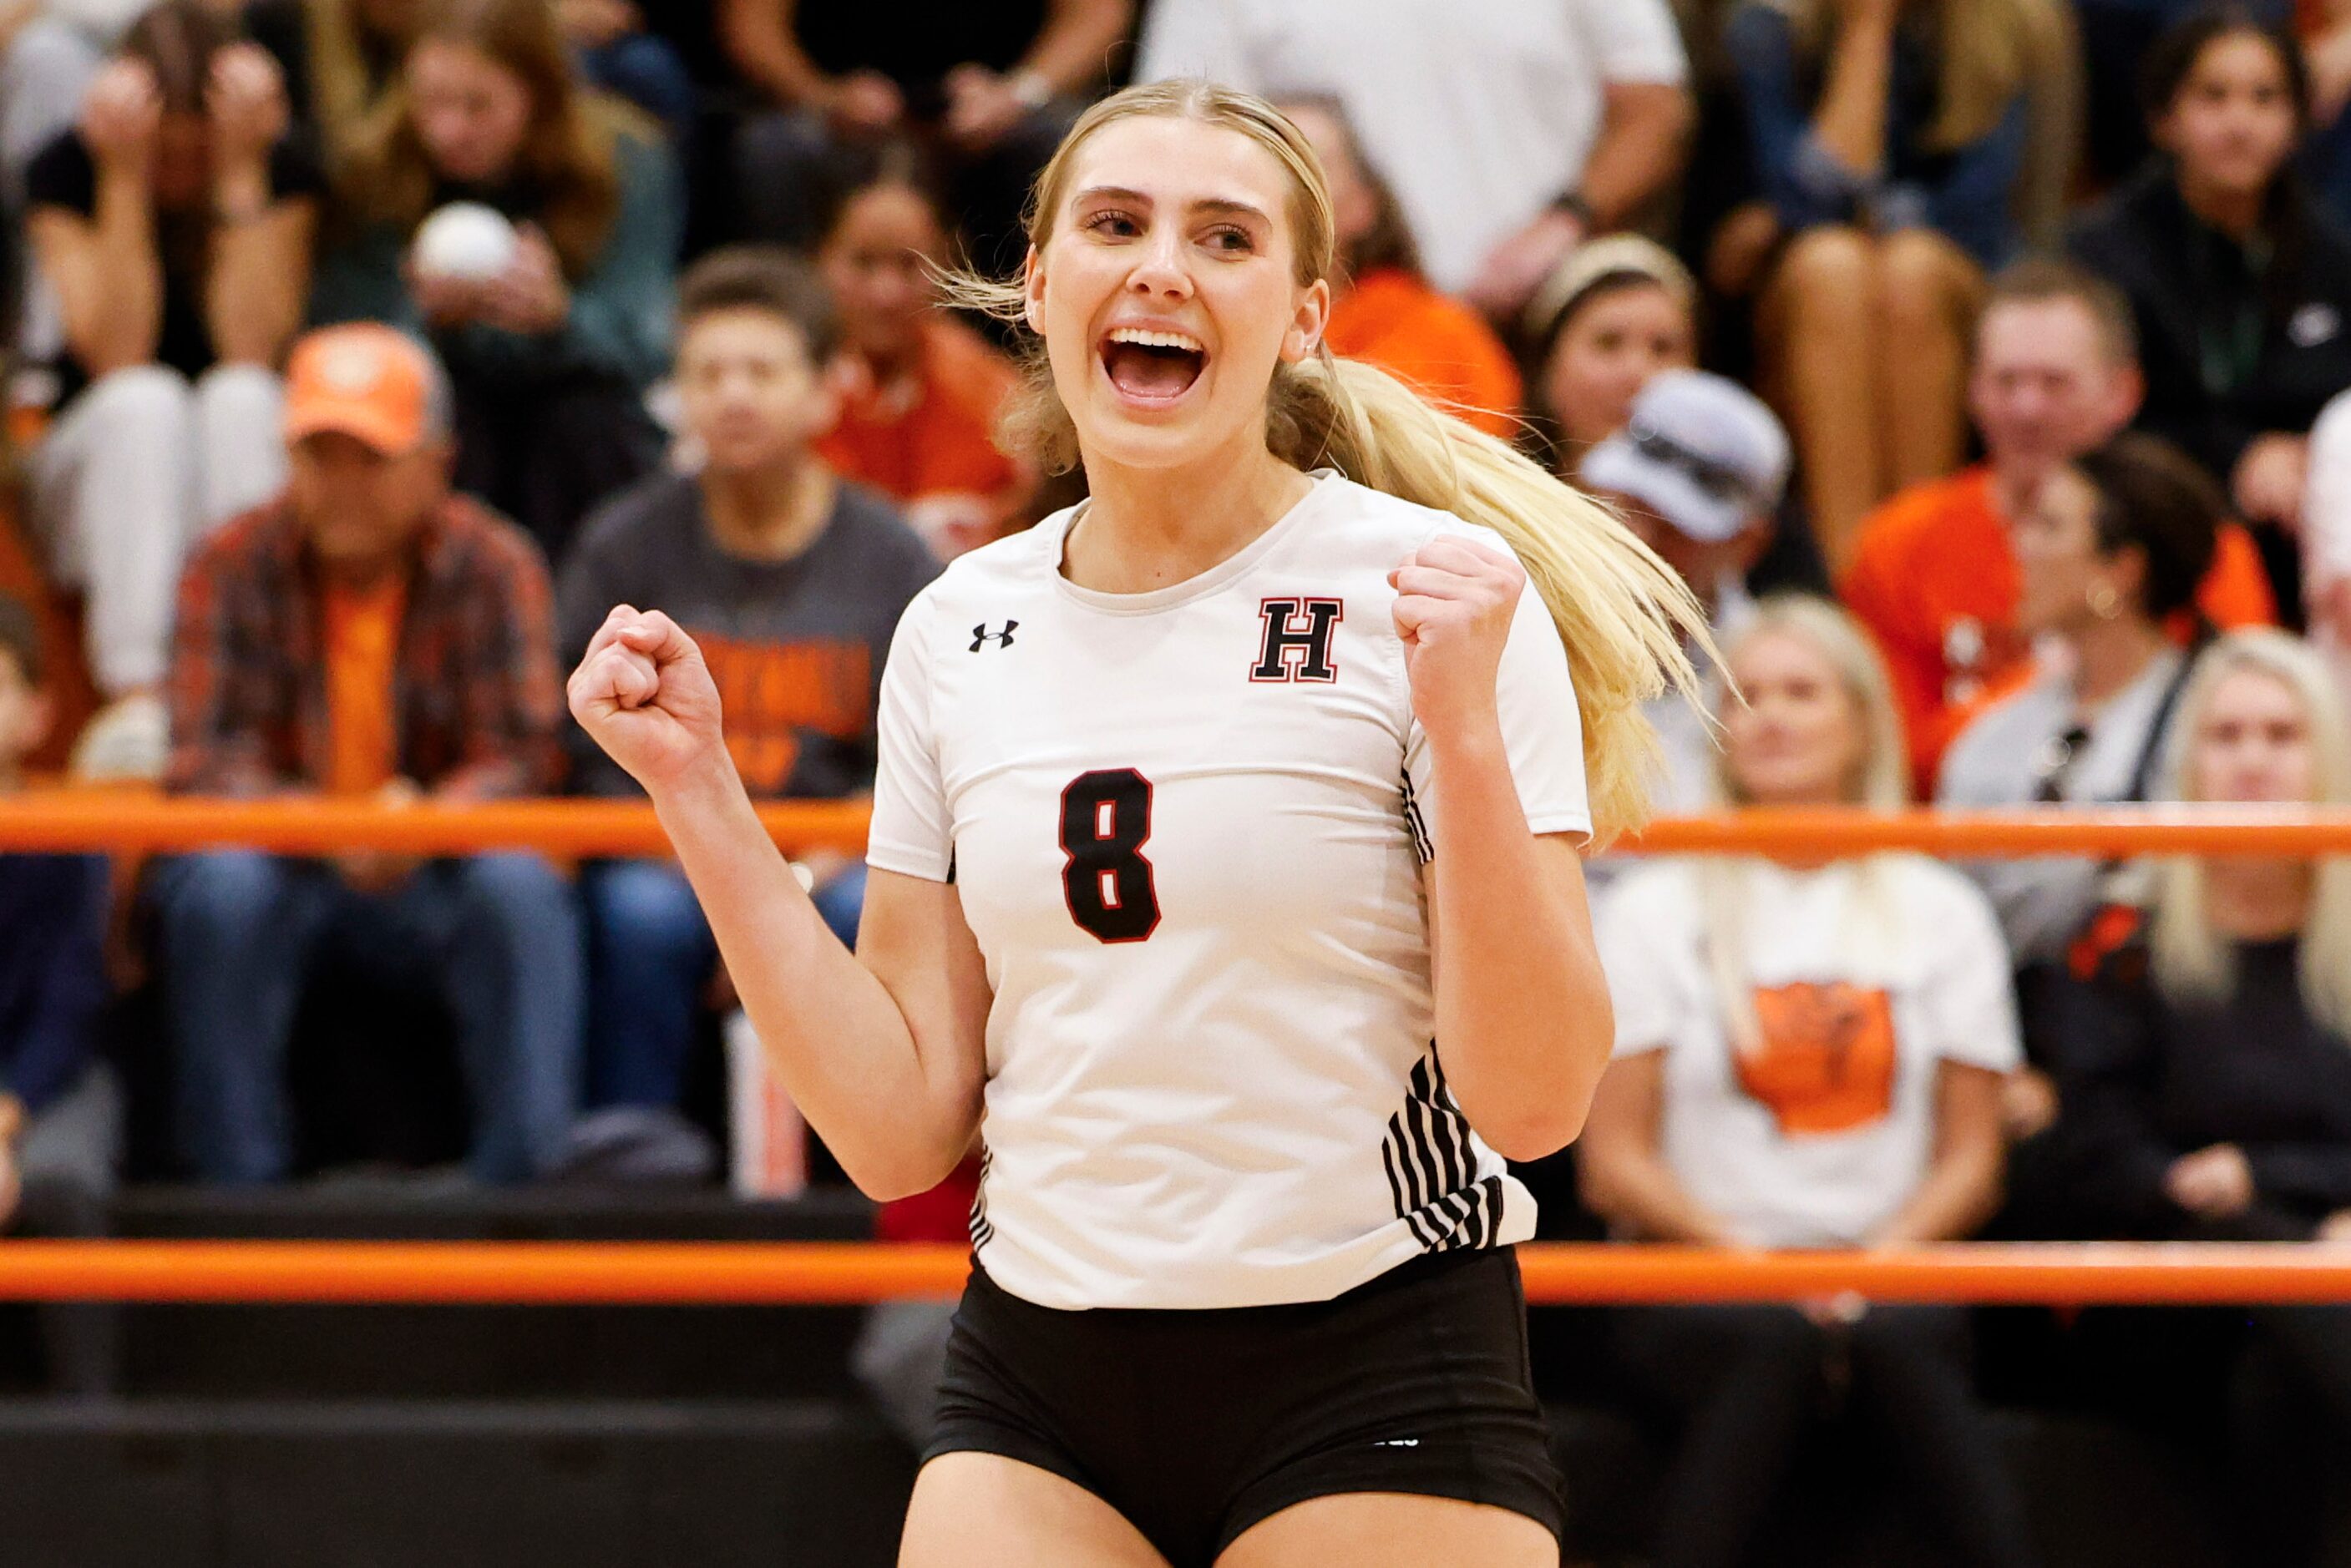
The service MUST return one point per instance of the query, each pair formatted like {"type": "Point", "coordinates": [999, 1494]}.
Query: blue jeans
{"type": "Point", "coordinates": [497, 936]}
{"type": "Point", "coordinates": [650, 959]}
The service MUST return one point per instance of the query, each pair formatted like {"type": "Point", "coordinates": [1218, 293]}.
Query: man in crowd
{"type": "Point", "coordinates": [1512, 130]}
{"type": "Point", "coordinates": [1934, 575]}
{"type": "Point", "coordinates": [1698, 472]}
{"type": "Point", "coordinates": [369, 634]}
{"type": "Point", "coordinates": [792, 583]}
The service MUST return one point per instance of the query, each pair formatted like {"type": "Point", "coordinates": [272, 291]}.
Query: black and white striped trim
{"type": "Point", "coordinates": [1421, 844]}
{"type": "Point", "coordinates": [982, 1232]}
{"type": "Point", "coordinates": [1432, 1168]}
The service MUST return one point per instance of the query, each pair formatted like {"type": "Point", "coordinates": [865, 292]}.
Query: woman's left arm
{"type": "Point", "coordinates": [1962, 1187]}
{"type": "Point", "coordinates": [1524, 1021]}
{"type": "Point", "coordinates": [621, 312]}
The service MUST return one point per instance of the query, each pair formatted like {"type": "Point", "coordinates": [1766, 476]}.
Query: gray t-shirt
{"type": "Point", "coordinates": [796, 647]}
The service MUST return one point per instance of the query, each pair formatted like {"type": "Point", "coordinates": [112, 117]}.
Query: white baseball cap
{"type": "Point", "coordinates": [1700, 451]}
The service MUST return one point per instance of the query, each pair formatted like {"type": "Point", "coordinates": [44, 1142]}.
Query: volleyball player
{"type": "Point", "coordinates": [1206, 810]}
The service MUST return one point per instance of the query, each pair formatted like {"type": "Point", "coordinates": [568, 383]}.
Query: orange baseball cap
{"type": "Point", "coordinates": [365, 381]}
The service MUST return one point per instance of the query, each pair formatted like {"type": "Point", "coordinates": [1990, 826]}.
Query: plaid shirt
{"type": "Point", "coordinates": [476, 692]}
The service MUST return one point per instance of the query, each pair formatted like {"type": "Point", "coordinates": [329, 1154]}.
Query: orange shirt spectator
{"type": "Point", "coordinates": [928, 433]}
{"type": "Point", "coordinates": [1934, 578]}
{"type": "Point", "coordinates": [1393, 320]}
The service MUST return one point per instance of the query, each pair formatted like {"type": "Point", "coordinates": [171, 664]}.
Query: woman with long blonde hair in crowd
{"type": "Point", "coordinates": [2204, 1079]}
{"type": "Point", "coordinates": [1178, 790]}
{"type": "Point", "coordinates": [1807, 1055]}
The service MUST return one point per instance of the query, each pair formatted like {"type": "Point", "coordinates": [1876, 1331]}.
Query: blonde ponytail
{"type": "Point", "coordinates": [1627, 619]}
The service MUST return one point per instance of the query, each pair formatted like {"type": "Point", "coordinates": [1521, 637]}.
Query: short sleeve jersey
{"type": "Point", "coordinates": [1187, 827]}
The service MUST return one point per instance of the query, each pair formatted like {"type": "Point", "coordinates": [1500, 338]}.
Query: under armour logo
{"type": "Point", "coordinates": [981, 636]}
{"type": "Point", "coordinates": [1297, 644]}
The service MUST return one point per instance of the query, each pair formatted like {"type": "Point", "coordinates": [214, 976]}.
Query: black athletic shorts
{"type": "Point", "coordinates": [1197, 1424]}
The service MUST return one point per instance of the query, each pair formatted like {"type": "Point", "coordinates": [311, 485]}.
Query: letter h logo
{"type": "Point", "coordinates": [1297, 644]}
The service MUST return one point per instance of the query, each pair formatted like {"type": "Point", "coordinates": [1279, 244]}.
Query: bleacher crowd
{"type": "Point", "coordinates": [1984, 366]}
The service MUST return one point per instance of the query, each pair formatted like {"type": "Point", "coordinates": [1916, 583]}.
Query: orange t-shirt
{"type": "Point", "coordinates": [362, 651]}
{"type": "Point", "coordinates": [940, 443]}
{"type": "Point", "coordinates": [1936, 580]}
{"type": "Point", "coordinates": [1395, 321]}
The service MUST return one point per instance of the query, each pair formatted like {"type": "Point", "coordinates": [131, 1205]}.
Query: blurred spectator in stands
{"type": "Point", "coordinates": [1385, 311]}
{"type": "Point", "coordinates": [1808, 1056]}
{"type": "Point", "coordinates": [1614, 313]}
{"type": "Point", "coordinates": [920, 390]}
{"type": "Point", "coordinates": [1934, 572]}
{"type": "Point", "coordinates": [1513, 131]}
{"type": "Point", "coordinates": [791, 582]}
{"type": "Point", "coordinates": [2110, 551]}
{"type": "Point", "coordinates": [1698, 474]}
{"type": "Point", "coordinates": [2327, 534]}
{"type": "Point", "coordinates": [1891, 139]}
{"type": "Point", "coordinates": [990, 86]}
{"type": "Point", "coordinates": [60, 1111]}
{"type": "Point", "coordinates": [2116, 37]}
{"type": "Point", "coordinates": [2205, 1078]}
{"type": "Point", "coordinates": [174, 225]}
{"type": "Point", "coordinates": [550, 356]}
{"type": "Point", "coordinates": [367, 635]}
{"type": "Point", "coordinates": [2240, 282]}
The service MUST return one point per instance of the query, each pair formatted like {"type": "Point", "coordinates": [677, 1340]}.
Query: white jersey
{"type": "Point", "coordinates": [1187, 828]}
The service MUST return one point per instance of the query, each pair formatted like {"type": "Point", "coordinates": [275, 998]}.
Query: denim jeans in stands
{"type": "Point", "coordinates": [651, 960]}
{"type": "Point", "coordinates": [496, 936]}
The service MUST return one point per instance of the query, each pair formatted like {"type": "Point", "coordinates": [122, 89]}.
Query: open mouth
{"type": "Point", "coordinates": [1150, 365]}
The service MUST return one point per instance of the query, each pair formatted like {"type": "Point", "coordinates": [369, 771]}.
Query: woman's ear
{"type": "Point", "coordinates": [1032, 288]}
{"type": "Point", "coordinates": [1307, 327]}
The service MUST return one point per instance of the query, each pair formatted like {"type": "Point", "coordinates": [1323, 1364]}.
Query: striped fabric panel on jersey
{"type": "Point", "coordinates": [1421, 844]}
{"type": "Point", "coordinates": [982, 1232]}
{"type": "Point", "coordinates": [1433, 1171]}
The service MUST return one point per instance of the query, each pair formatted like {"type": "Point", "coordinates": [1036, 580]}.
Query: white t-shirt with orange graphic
{"type": "Point", "coordinates": [1862, 979]}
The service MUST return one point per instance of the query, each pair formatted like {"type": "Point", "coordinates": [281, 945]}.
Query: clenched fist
{"type": "Point", "coordinates": [1454, 604]}
{"type": "Point", "coordinates": [644, 694]}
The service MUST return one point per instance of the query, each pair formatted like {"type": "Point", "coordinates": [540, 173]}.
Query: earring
{"type": "Point", "coordinates": [2104, 603]}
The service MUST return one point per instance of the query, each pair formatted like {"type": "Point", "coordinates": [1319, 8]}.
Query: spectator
{"type": "Point", "coordinates": [2206, 1074]}
{"type": "Point", "coordinates": [1807, 1056]}
{"type": "Point", "coordinates": [791, 583]}
{"type": "Point", "coordinates": [2116, 37]}
{"type": "Point", "coordinates": [990, 86]}
{"type": "Point", "coordinates": [2240, 284]}
{"type": "Point", "coordinates": [2111, 550]}
{"type": "Point", "coordinates": [921, 390]}
{"type": "Point", "coordinates": [367, 634]}
{"type": "Point", "coordinates": [1891, 140]}
{"type": "Point", "coordinates": [1511, 142]}
{"type": "Point", "coordinates": [173, 226]}
{"type": "Point", "coordinates": [1698, 474]}
{"type": "Point", "coordinates": [1614, 314]}
{"type": "Point", "coordinates": [61, 1112]}
{"type": "Point", "coordinates": [1934, 573]}
{"type": "Point", "coordinates": [1384, 311]}
{"type": "Point", "coordinates": [550, 358]}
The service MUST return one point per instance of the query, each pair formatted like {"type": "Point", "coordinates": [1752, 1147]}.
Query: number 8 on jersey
{"type": "Point", "coordinates": [1105, 823]}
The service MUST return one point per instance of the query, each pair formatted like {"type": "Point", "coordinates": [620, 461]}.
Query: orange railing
{"type": "Point", "coordinates": [803, 1273]}
{"type": "Point", "coordinates": [111, 820]}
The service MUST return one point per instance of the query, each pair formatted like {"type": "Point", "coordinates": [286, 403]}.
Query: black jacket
{"type": "Point", "coordinates": [2233, 349]}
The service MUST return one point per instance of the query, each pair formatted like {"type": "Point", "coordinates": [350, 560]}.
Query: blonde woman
{"type": "Point", "coordinates": [1807, 1055]}
{"type": "Point", "coordinates": [2205, 1083]}
{"type": "Point", "coordinates": [1895, 141]}
{"type": "Point", "coordinates": [1176, 791]}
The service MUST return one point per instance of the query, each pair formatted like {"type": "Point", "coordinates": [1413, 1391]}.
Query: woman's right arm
{"type": "Point", "coordinates": [1815, 169]}
{"type": "Point", "coordinates": [883, 1050]}
{"type": "Point", "coordinates": [1625, 1179]}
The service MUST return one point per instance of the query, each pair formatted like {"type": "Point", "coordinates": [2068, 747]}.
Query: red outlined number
{"type": "Point", "coordinates": [1107, 882]}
